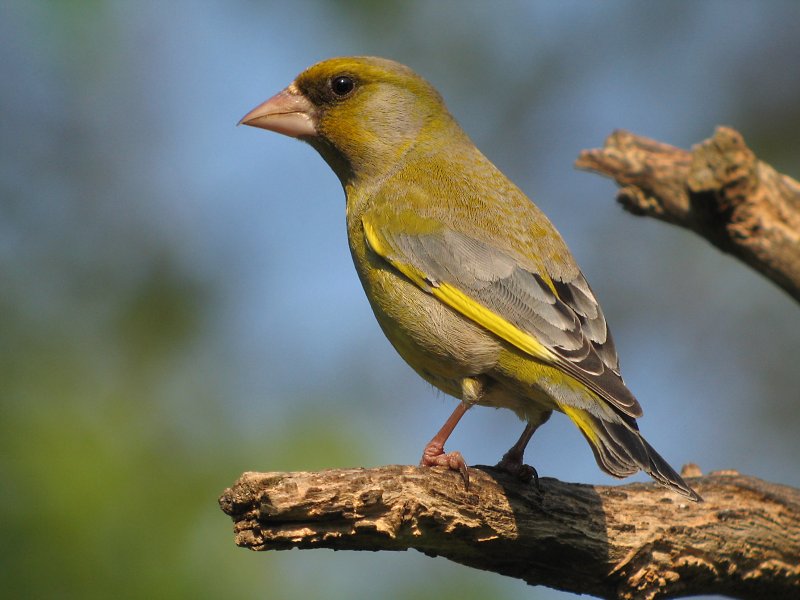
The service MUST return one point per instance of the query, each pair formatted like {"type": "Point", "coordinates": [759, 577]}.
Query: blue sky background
{"type": "Point", "coordinates": [178, 303]}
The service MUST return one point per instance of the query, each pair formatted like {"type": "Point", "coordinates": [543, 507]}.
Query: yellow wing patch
{"type": "Point", "coordinates": [461, 302]}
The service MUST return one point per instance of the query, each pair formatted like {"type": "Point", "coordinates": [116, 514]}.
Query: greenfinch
{"type": "Point", "coordinates": [468, 279]}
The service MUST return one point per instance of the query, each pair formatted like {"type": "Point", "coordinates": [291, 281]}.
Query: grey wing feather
{"type": "Point", "coordinates": [569, 321]}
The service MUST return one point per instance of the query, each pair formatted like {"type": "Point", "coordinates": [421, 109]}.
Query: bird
{"type": "Point", "coordinates": [468, 279]}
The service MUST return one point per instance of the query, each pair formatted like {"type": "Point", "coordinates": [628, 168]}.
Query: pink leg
{"type": "Point", "coordinates": [512, 461]}
{"type": "Point", "coordinates": [434, 454]}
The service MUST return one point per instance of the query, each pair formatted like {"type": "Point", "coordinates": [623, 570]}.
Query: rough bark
{"type": "Point", "coordinates": [719, 189]}
{"type": "Point", "coordinates": [632, 541]}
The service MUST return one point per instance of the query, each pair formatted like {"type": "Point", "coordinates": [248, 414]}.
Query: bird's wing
{"type": "Point", "coordinates": [558, 322]}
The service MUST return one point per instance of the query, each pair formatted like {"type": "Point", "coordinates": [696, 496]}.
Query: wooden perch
{"type": "Point", "coordinates": [632, 541]}
{"type": "Point", "coordinates": [720, 190]}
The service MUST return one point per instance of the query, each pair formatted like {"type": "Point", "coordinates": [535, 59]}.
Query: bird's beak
{"type": "Point", "coordinates": [287, 112]}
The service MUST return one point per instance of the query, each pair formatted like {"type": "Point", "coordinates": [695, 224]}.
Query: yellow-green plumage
{"type": "Point", "coordinates": [468, 279]}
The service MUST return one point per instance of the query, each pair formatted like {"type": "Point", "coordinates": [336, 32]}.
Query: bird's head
{"type": "Point", "coordinates": [361, 113]}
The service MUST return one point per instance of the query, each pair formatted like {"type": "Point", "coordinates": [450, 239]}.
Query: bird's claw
{"type": "Point", "coordinates": [435, 456]}
{"type": "Point", "coordinates": [519, 470]}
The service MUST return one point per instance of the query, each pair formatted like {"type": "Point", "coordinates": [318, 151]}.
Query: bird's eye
{"type": "Point", "coordinates": [342, 85]}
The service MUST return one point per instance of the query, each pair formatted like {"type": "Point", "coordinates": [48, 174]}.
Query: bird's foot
{"type": "Point", "coordinates": [516, 468]}
{"type": "Point", "coordinates": [435, 456]}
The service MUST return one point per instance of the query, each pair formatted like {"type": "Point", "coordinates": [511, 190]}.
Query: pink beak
{"type": "Point", "coordinates": [287, 112]}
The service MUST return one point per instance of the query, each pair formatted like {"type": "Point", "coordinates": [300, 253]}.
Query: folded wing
{"type": "Point", "coordinates": [557, 321]}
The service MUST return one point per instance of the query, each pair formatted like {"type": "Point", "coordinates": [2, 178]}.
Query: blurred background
{"type": "Point", "coordinates": [178, 303]}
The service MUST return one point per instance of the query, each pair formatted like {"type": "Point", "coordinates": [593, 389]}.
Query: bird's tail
{"type": "Point", "coordinates": [620, 450]}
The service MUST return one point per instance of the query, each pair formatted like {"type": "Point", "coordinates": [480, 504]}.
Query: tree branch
{"type": "Point", "coordinates": [632, 541]}
{"type": "Point", "coordinates": [720, 190]}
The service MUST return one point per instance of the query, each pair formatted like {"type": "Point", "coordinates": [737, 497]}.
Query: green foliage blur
{"type": "Point", "coordinates": [150, 346]}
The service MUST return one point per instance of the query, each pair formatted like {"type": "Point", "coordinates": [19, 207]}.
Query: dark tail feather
{"type": "Point", "coordinates": [620, 450]}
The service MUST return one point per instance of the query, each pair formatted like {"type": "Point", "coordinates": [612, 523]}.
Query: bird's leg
{"type": "Point", "coordinates": [434, 454]}
{"type": "Point", "coordinates": [512, 460]}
